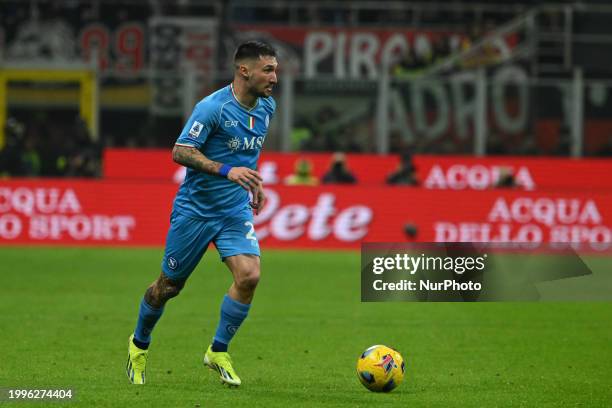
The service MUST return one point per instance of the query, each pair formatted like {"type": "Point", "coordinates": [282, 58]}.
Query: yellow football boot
{"type": "Point", "coordinates": [222, 363]}
{"type": "Point", "coordinates": [136, 363]}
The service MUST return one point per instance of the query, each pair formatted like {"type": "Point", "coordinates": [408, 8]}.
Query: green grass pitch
{"type": "Point", "coordinates": [66, 314]}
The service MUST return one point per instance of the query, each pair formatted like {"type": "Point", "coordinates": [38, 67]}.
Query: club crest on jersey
{"type": "Point", "coordinates": [196, 128]}
{"type": "Point", "coordinates": [172, 263]}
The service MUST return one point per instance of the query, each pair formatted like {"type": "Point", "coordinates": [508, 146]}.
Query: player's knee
{"type": "Point", "coordinates": [248, 279]}
{"type": "Point", "coordinates": [162, 290]}
{"type": "Point", "coordinates": [171, 290]}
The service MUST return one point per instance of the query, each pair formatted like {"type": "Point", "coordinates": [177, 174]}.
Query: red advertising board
{"type": "Point", "coordinates": [345, 216]}
{"type": "Point", "coordinates": [530, 173]}
{"type": "Point", "coordinates": [135, 213]}
{"type": "Point", "coordinates": [157, 165]}
{"type": "Point", "coordinates": [433, 172]}
{"type": "Point", "coordinates": [81, 212]}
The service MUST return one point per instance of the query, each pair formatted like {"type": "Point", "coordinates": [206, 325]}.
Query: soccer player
{"type": "Point", "coordinates": [219, 145]}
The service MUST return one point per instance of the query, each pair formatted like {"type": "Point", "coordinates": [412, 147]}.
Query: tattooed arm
{"type": "Point", "coordinates": [194, 159]}
{"type": "Point", "coordinates": [191, 157]}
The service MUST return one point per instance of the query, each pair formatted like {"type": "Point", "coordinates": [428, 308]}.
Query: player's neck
{"type": "Point", "coordinates": [243, 96]}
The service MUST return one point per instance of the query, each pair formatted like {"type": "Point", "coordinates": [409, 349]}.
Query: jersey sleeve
{"type": "Point", "coordinates": [203, 121]}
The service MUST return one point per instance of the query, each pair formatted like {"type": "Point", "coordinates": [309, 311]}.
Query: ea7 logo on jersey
{"type": "Point", "coordinates": [231, 123]}
{"type": "Point", "coordinates": [196, 128]}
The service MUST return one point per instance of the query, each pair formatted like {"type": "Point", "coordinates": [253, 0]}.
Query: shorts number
{"type": "Point", "coordinates": [251, 233]}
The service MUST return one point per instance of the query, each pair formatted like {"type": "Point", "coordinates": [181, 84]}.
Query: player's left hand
{"type": "Point", "coordinates": [259, 198]}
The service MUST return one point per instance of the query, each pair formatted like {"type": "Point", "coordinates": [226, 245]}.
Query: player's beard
{"type": "Point", "coordinates": [262, 92]}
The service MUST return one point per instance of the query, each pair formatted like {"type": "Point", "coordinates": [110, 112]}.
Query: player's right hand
{"type": "Point", "coordinates": [259, 199]}
{"type": "Point", "coordinates": [248, 179]}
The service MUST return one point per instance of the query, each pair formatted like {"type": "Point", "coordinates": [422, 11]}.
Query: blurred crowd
{"type": "Point", "coordinates": [325, 131]}
{"type": "Point", "coordinates": [339, 172]}
{"type": "Point", "coordinates": [43, 147]}
{"type": "Point", "coordinates": [57, 145]}
{"type": "Point", "coordinates": [414, 63]}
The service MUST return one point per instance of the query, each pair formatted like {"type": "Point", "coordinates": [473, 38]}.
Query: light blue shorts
{"type": "Point", "coordinates": [188, 239]}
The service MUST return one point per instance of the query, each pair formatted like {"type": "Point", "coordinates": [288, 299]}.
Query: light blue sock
{"type": "Point", "coordinates": [147, 317]}
{"type": "Point", "coordinates": [233, 314]}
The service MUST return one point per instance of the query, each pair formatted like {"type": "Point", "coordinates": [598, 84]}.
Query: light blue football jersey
{"type": "Point", "coordinates": [227, 132]}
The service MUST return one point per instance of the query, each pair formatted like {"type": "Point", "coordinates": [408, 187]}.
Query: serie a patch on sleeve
{"type": "Point", "coordinates": [196, 129]}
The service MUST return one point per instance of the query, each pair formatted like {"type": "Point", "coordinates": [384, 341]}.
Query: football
{"type": "Point", "coordinates": [380, 368]}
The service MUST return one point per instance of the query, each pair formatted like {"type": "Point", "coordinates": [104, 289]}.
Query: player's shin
{"type": "Point", "coordinates": [147, 318]}
{"type": "Point", "coordinates": [233, 314]}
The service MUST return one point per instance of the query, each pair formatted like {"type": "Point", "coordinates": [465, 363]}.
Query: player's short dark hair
{"type": "Point", "coordinates": [253, 50]}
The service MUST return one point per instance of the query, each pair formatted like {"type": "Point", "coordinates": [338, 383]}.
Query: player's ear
{"type": "Point", "coordinates": [244, 71]}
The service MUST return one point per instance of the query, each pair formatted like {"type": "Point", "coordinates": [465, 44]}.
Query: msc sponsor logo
{"type": "Point", "coordinates": [252, 143]}
{"type": "Point", "coordinates": [247, 143]}
{"type": "Point", "coordinates": [233, 144]}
